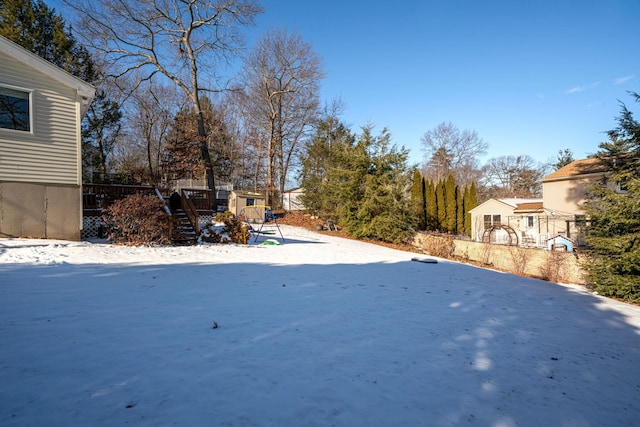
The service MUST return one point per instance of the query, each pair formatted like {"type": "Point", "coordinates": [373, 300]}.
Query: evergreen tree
{"type": "Point", "coordinates": [564, 158]}
{"type": "Point", "coordinates": [459, 211]}
{"type": "Point", "coordinates": [331, 141]}
{"type": "Point", "coordinates": [441, 205]}
{"type": "Point", "coordinates": [471, 201]}
{"type": "Point", "coordinates": [614, 230]}
{"type": "Point", "coordinates": [431, 204]}
{"type": "Point", "coordinates": [418, 201]}
{"type": "Point", "coordinates": [37, 28]}
{"type": "Point", "coordinates": [367, 185]}
{"type": "Point", "coordinates": [450, 220]}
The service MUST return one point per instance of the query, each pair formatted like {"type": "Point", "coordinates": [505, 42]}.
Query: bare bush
{"type": "Point", "coordinates": [441, 246]}
{"type": "Point", "coordinates": [520, 258]}
{"type": "Point", "coordinates": [485, 254]}
{"type": "Point", "coordinates": [554, 266]}
{"type": "Point", "coordinates": [137, 220]}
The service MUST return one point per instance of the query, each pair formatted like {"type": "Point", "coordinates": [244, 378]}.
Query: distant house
{"type": "Point", "coordinates": [41, 108]}
{"type": "Point", "coordinates": [291, 200]}
{"type": "Point", "coordinates": [557, 216]}
{"type": "Point", "coordinates": [500, 216]}
{"type": "Point", "coordinates": [564, 190]}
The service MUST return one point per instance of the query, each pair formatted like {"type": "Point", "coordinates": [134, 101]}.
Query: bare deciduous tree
{"type": "Point", "coordinates": [179, 39]}
{"type": "Point", "coordinates": [449, 150]}
{"type": "Point", "coordinates": [282, 77]}
{"type": "Point", "coordinates": [151, 116]}
{"type": "Point", "coordinates": [514, 176]}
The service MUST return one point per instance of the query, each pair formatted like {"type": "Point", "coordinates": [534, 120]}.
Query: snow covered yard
{"type": "Point", "coordinates": [319, 331]}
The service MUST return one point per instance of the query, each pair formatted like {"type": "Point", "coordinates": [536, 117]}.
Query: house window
{"type": "Point", "coordinates": [490, 220]}
{"type": "Point", "coordinates": [15, 111]}
{"type": "Point", "coordinates": [251, 202]}
{"type": "Point", "coordinates": [528, 221]}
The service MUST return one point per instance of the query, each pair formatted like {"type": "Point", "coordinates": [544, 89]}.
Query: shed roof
{"type": "Point", "coordinates": [529, 207]}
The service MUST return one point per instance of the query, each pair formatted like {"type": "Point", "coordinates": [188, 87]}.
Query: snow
{"type": "Point", "coordinates": [317, 331]}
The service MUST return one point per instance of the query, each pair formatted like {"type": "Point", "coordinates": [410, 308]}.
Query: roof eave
{"type": "Point", "coordinates": [85, 90]}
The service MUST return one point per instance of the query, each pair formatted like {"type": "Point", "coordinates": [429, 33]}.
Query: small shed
{"type": "Point", "coordinates": [291, 200]}
{"type": "Point", "coordinates": [250, 202]}
{"type": "Point", "coordinates": [560, 243]}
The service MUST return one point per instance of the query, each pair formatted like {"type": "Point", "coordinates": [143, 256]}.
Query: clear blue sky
{"type": "Point", "coordinates": [529, 76]}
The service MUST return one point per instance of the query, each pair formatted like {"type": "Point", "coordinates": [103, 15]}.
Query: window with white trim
{"type": "Point", "coordinates": [490, 220]}
{"type": "Point", "coordinates": [15, 109]}
{"type": "Point", "coordinates": [528, 221]}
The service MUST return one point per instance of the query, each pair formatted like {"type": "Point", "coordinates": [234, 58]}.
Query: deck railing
{"type": "Point", "coordinates": [96, 197]}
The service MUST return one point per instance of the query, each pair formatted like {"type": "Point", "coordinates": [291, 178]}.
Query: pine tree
{"type": "Point", "coordinates": [431, 206]}
{"type": "Point", "coordinates": [325, 151]}
{"type": "Point", "coordinates": [450, 220]}
{"type": "Point", "coordinates": [465, 209]}
{"type": "Point", "coordinates": [459, 211]}
{"type": "Point", "coordinates": [367, 185]}
{"type": "Point", "coordinates": [441, 203]}
{"type": "Point", "coordinates": [471, 201]}
{"type": "Point", "coordinates": [418, 202]}
{"type": "Point", "coordinates": [614, 231]}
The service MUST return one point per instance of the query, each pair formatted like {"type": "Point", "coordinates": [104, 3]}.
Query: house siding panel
{"type": "Point", "coordinates": [50, 153]}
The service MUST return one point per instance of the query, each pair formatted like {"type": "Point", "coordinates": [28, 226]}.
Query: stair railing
{"type": "Point", "coordinates": [166, 210]}
{"type": "Point", "coordinates": [190, 210]}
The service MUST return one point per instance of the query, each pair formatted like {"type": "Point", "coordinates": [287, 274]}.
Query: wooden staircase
{"type": "Point", "coordinates": [182, 231]}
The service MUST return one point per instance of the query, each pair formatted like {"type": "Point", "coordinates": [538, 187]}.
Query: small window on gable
{"type": "Point", "coordinates": [15, 109]}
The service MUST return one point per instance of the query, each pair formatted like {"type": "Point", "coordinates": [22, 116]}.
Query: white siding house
{"type": "Point", "coordinates": [41, 108]}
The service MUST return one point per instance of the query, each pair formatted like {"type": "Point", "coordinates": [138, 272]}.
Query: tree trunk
{"type": "Point", "coordinates": [204, 153]}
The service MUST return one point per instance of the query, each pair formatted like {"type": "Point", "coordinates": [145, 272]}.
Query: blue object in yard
{"type": "Point", "coordinates": [560, 243]}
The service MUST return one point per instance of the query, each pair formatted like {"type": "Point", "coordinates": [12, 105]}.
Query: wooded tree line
{"type": "Point", "coordinates": [163, 111]}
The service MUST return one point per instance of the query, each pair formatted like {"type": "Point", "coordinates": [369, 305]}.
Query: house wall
{"type": "Point", "coordinates": [490, 207]}
{"type": "Point", "coordinates": [40, 170]}
{"type": "Point", "coordinates": [291, 200]}
{"type": "Point", "coordinates": [565, 196]}
{"type": "Point", "coordinates": [50, 153]}
{"type": "Point", "coordinates": [43, 211]}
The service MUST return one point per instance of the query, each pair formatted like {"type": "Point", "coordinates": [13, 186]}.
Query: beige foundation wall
{"type": "Point", "coordinates": [40, 211]}
{"type": "Point", "coordinates": [559, 267]}
{"type": "Point", "coordinates": [554, 266]}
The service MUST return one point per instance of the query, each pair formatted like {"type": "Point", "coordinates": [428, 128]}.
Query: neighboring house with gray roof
{"type": "Point", "coordinates": [41, 109]}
